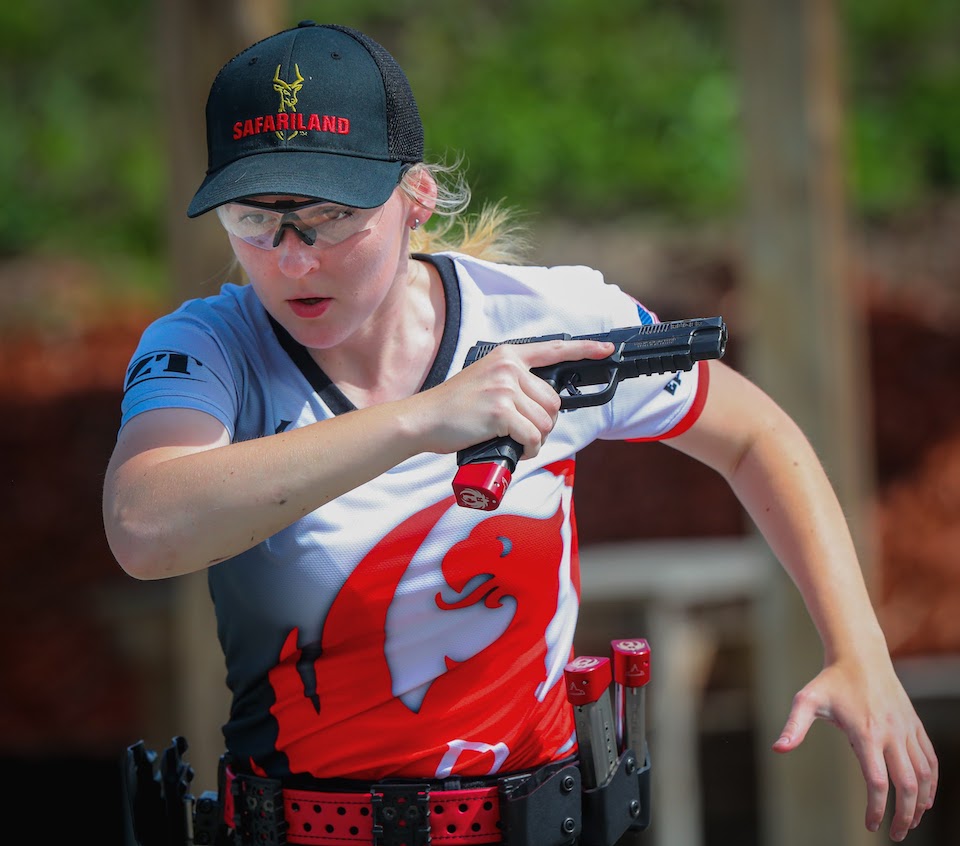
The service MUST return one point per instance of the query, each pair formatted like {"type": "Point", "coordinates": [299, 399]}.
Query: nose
{"type": "Point", "coordinates": [295, 258]}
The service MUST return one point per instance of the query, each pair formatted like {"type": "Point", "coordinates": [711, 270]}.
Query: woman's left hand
{"type": "Point", "coordinates": [868, 703]}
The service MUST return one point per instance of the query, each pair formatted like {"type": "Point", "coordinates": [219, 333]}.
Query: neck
{"type": "Point", "coordinates": [391, 358]}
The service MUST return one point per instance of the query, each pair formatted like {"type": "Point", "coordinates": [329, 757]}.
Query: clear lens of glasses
{"type": "Point", "coordinates": [321, 224]}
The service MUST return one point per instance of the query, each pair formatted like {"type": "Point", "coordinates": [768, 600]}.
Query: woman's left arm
{"type": "Point", "coordinates": [775, 473]}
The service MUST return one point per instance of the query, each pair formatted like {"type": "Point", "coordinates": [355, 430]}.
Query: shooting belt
{"type": "Point", "coordinates": [453, 817]}
{"type": "Point", "coordinates": [546, 807]}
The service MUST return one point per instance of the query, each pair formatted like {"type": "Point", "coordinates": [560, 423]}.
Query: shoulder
{"type": "Point", "coordinates": [494, 276]}
{"type": "Point", "coordinates": [209, 354]}
{"type": "Point", "coordinates": [576, 297]}
{"type": "Point", "coordinates": [220, 337]}
{"type": "Point", "coordinates": [233, 315]}
{"type": "Point", "coordinates": [232, 303]}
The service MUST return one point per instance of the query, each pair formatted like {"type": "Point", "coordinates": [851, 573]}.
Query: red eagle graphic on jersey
{"type": "Point", "coordinates": [483, 705]}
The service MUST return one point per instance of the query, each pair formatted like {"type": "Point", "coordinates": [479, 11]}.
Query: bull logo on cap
{"type": "Point", "coordinates": [288, 92]}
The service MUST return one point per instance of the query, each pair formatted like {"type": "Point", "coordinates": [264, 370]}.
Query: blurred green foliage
{"type": "Point", "coordinates": [566, 108]}
{"type": "Point", "coordinates": [903, 66]}
{"type": "Point", "coordinates": [81, 149]}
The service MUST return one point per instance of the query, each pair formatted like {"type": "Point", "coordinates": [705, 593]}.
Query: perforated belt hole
{"type": "Point", "coordinates": [451, 829]}
{"type": "Point", "coordinates": [463, 807]}
{"type": "Point", "coordinates": [364, 811]}
{"type": "Point", "coordinates": [475, 826]}
{"type": "Point", "coordinates": [488, 805]}
{"type": "Point", "coordinates": [438, 809]}
{"type": "Point", "coordinates": [317, 809]}
{"type": "Point", "coordinates": [307, 827]}
{"type": "Point", "coordinates": [295, 806]}
{"type": "Point", "coordinates": [354, 830]}
{"type": "Point", "coordinates": [341, 810]}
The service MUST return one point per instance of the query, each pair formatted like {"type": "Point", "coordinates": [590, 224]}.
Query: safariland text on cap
{"type": "Point", "coordinates": [318, 111]}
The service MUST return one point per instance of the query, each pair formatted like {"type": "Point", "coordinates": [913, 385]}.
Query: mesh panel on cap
{"type": "Point", "coordinates": [404, 127]}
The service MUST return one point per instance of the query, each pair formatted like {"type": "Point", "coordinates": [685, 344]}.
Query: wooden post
{"type": "Point", "coordinates": [196, 39]}
{"type": "Point", "coordinates": [806, 350]}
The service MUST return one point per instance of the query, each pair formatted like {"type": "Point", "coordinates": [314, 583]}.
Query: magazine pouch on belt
{"type": "Point", "coordinates": [542, 808]}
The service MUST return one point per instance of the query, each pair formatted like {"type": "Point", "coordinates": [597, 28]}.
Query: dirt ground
{"type": "Point", "coordinates": [60, 386]}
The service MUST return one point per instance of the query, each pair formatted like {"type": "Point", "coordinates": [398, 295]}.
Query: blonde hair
{"type": "Point", "coordinates": [494, 234]}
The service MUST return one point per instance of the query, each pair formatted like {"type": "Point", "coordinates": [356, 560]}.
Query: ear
{"type": "Point", "coordinates": [422, 188]}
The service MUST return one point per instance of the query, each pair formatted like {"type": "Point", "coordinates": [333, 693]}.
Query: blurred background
{"type": "Point", "coordinates": [792, 166]}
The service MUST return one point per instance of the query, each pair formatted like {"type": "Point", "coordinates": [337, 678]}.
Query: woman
{"type": "Point", "coordinates": [296, 436]}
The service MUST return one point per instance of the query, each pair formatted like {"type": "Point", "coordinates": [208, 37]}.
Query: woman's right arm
{"type": "Point", "coordinates": [179, 497]}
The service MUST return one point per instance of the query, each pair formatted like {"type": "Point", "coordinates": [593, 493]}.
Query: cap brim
{"type": "Point", "coordinates": [347, 180]}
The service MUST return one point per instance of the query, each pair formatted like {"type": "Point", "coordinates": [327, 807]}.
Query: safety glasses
{"type": "Point", "coordinates": [319, 224]}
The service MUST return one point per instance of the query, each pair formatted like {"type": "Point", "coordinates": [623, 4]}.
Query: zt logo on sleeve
{"type": "Point", "coordinates": [160, 365]}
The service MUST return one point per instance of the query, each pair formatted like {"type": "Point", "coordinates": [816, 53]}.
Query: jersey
{"type": "Point", "coordinates": [391, 632]}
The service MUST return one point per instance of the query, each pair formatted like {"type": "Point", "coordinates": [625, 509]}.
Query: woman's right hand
{"type": "Point", "coordinates": [498, 395]}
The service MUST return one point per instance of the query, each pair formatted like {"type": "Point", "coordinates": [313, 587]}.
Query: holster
{"type": "Point", "coordinates": [158, 802]}
{"type": "Point", "coordinates": [619, 804]}
{"type": "Point", "coordinates": [541, 810]}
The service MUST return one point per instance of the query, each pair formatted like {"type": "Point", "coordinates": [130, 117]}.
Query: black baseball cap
{"type": "Point", "coordinates": [319, 111]}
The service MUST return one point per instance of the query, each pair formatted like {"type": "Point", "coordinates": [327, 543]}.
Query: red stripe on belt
{"type": "Point", "coordinates": [457, 817]}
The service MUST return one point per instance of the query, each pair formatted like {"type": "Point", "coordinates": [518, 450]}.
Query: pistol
{"type": "Point", "coordinates": [484, 471]}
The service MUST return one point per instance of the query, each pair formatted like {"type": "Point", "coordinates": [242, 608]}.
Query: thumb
{"type": "Point", "coordinates": [795, 729]}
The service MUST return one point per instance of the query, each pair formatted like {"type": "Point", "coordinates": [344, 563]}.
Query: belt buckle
{"type": "Point", "coordinates": [258, 810]}
{"type": "Point", "coordinates": [401, 814]}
